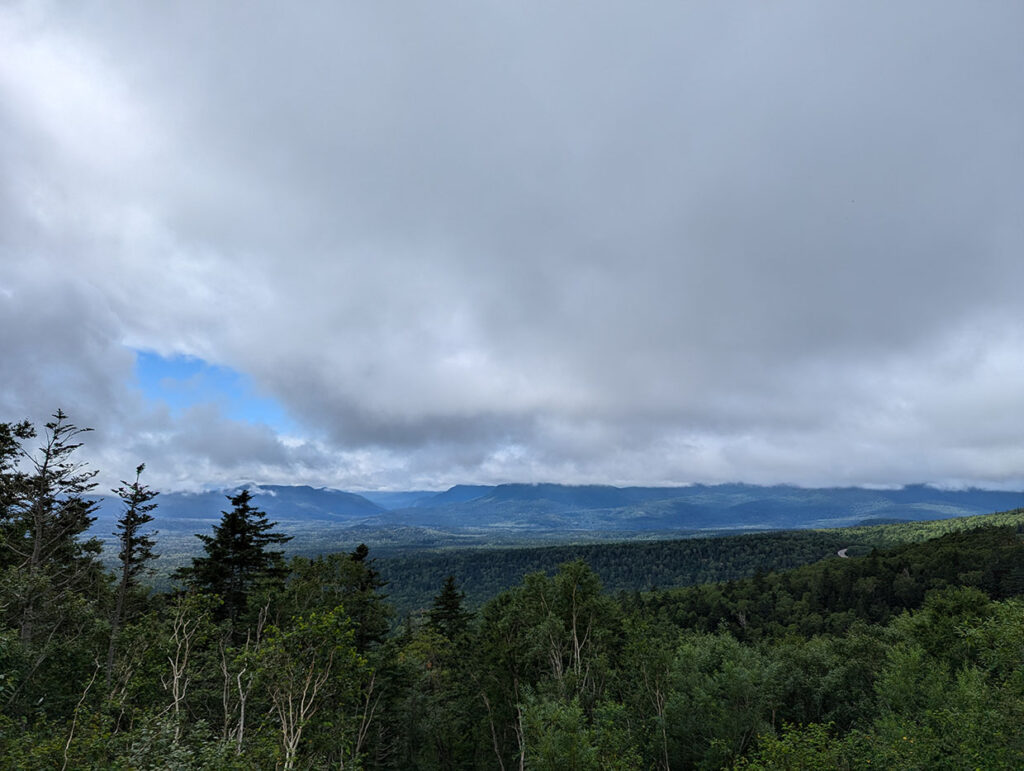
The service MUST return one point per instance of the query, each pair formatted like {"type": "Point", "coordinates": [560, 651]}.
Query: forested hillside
{"type": "Point", "coordinates": [647, 565]}
{"type": "Point", "coordinates": [906, 657]}
{"type": "Point", "coordinates": [629, 567]}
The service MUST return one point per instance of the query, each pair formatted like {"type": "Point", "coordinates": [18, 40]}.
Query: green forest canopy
{"type": "Point", "coordinates": [908, 655]}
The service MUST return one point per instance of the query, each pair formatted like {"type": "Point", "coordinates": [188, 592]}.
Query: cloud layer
{"type": "Point", "coordinates": [595, 242]}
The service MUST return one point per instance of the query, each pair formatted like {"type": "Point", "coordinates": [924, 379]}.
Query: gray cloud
{"type": "Point", "coordinates": [580, 243]}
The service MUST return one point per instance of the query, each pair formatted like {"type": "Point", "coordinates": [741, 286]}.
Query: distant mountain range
{"type": "Point", "coordinates": [554, 508]}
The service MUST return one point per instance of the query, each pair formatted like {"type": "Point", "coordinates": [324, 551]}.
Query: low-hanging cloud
{"type": "Point", "coordinates": [595, 242]}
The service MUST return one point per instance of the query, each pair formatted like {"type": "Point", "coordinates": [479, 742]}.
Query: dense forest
{"type": "Point", "coordinates": [908, 656]}
{"type": "Point", "coordinates": [648, 565]}
{"type": "Point", "coordinates": [644, 565]}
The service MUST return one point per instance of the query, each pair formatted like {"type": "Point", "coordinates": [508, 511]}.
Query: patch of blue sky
{"type": "Point", "coordinates": [181, 382]}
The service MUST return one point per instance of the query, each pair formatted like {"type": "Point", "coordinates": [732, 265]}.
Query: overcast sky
{"type": "Point", "coordinates": [405, 245]}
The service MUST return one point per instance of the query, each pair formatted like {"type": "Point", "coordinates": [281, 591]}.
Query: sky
{"type": "Point", "coordinates": [404, 246]}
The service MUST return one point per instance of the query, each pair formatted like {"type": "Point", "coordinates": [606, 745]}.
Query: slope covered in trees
{"type": "Point", "coordinates": [628, 567]}
{"type": "Point", "coordinates": [646, 565]}
{"type": "Point", "coordinates": [906, 657]}
{"type": "Point", "coordinates": [832, 596]}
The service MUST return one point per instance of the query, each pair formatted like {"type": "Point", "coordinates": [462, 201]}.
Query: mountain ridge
{"type": "Point", "coordinates": [551, 507]}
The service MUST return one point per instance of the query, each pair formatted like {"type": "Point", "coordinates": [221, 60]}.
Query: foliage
{"type": "Point", "coordinates": [448, 615]}
{"type": "Point", "coordinates": [622, 567]}
{"type": "Point", "coordinates": [135, 547]}
{"type": "Point", "coordinates": [135, 554]}
{"type": "Point", "coordinates": [904, 657]}
{"type": "Point", "coordinates": [237, 558]}
{"type": "Point", "coordinates": [831, 596]}
{"type": "Point", "coordinates": [307, 668]}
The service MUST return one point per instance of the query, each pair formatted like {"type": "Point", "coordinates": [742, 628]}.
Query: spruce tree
{"type": "Point", "coordinates": [13, 487]}
{"type": "Point", "coordinates": [365, 603]}
{"type": "Point", "coordinates": [51, 580]}
{"type": "Point", "coordinates": [136, 549]}
{"type": "Point", "coordinates": [237, 557]}
{"type": "Point", "coordinates": [44, 537]}
{"type": "Point", "coordinates": [447, 614]}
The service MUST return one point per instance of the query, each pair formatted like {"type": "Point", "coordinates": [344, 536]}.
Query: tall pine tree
{"type": "Point", "coordinates": [447, 615]}
{"type": "Point", "coordinates": [45, 539]}
{"type": "Point", "coordinates": [366, 602]}
{"type": "Point", "coordinates": [136, 550]}
{"type": "Point", "coordinates": [13, 488]}
{"type": "Point", "coordinates": [237, 557]}
{"type": "Point", "coordinates": [51, 579]}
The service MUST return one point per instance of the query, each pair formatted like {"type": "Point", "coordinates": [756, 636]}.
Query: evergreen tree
{"type": "Point", "coordinates": [441, 705]}
{"type": "Point", "coordinates": [447, 614]}
{"type": "Point", "coordinates": [13, 485]}
{"type": "Point", "coordinates": [237, 557]}
{"type": "Point", "coordinates": [366, 603]}
{"type": "Point", "coordinates": [136, 549]}
{"type": "Point", "coordinates": [43, 540]}
{"type": "Point", "coordinates": [51, 581]}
